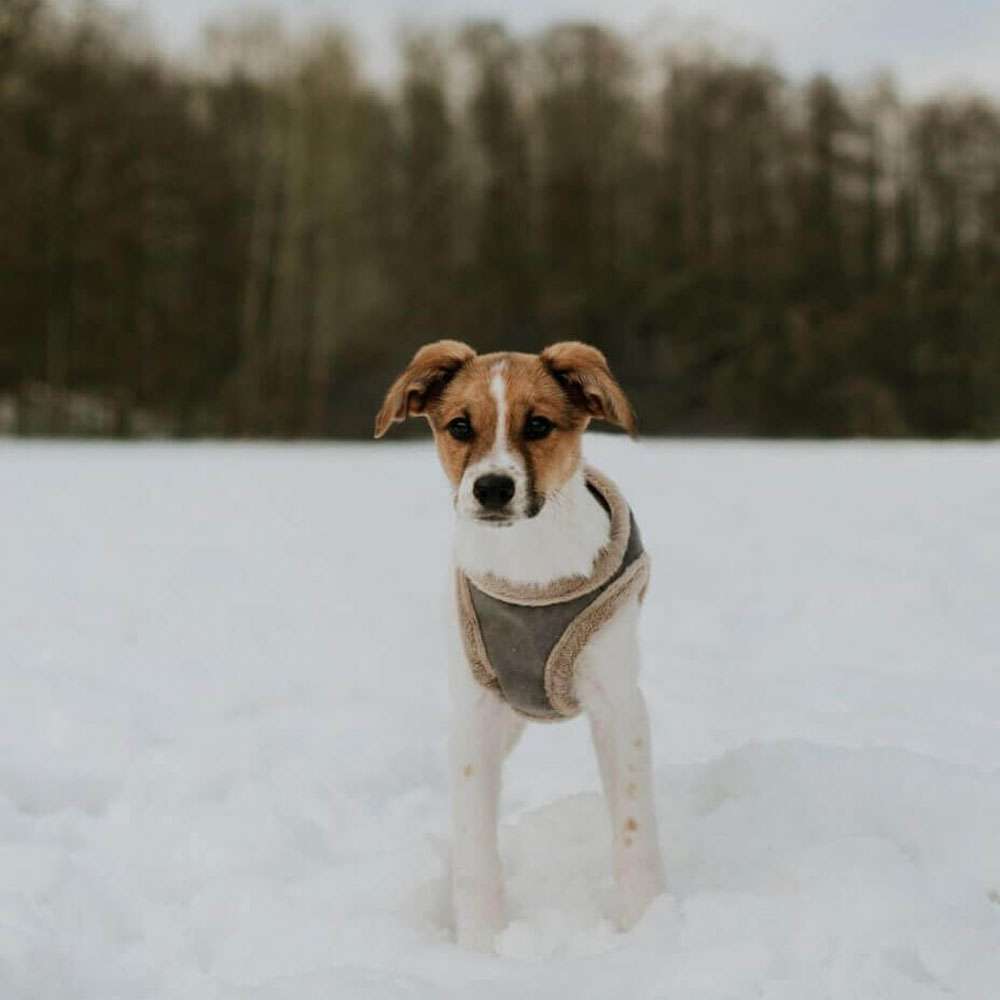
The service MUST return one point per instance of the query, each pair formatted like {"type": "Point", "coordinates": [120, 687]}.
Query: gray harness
{"type": "Point", "coordinates": [524, 641]}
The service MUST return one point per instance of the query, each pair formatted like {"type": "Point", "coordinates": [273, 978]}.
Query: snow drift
{"type": "Point", "coordinates": [222, 731]}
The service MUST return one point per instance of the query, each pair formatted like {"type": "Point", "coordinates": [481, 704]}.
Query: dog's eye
{"type": "Point", "coordinates": [460, 429]}
{"type": "Point", "coordinates": [537, 428]}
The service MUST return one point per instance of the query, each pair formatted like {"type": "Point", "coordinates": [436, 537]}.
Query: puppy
{"type": "Point", "coordinates": [549, 577]}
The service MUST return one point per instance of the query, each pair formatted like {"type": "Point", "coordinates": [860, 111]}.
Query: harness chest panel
{"type": "Point", "coordinates": [525, 644]}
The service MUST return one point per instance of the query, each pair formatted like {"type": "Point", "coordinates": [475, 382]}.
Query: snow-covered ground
{"type": "Point", "coordinates": [222, 731]}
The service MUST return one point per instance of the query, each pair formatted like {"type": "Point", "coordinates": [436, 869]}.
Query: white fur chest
{"type": "Point", "coordinates": [563, 540]}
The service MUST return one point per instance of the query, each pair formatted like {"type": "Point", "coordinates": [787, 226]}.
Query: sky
{"type": "Point", "coordinates": [930, 45]}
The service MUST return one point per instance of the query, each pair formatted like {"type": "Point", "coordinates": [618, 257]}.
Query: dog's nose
{"type": "Point", "coordinates": [493, 491]}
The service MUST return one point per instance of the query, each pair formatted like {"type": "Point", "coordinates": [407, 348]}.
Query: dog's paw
{"type": "Point", "coordinates": [478, 937]}
{"type": "Point", "coordinates": [479, 918]}
{"type": "Point", "coordinates": [637, 887]}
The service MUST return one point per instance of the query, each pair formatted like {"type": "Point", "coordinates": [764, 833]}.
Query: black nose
{"type": "Point", "coordinates": [492, 491]}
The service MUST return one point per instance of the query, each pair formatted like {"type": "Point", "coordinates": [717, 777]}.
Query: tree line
{"type": "Point", "coordinates": [254, 243]}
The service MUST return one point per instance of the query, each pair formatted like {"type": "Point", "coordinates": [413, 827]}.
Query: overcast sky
{"type": "Point", "coordinates": [929, 44]}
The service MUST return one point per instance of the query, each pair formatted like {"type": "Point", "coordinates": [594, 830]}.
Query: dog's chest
{"type": "Point", "coordinates": [524, 641]}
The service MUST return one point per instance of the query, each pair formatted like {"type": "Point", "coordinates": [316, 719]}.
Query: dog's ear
{"type": "Point", "coordinates": [584, 374]}
{"type": "Point", "coordinates": [431, 369]}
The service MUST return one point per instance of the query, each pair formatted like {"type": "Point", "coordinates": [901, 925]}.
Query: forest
{"type": "Point", "coordinates": [252, 243]}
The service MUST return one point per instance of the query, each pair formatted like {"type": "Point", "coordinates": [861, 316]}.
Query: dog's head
{"type": "Point", "coordinates": [507, 426]}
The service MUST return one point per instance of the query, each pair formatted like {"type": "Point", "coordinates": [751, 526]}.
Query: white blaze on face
{"type": "Point", "coordinates": [500, 459]}
{"type": "Point", "coordinates": [498, 390]}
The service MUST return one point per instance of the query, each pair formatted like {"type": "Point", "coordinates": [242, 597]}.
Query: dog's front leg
{"type": "Point", "coordinates": [608, 688]}
{"type": "Point", "coordinates": [482, 730]}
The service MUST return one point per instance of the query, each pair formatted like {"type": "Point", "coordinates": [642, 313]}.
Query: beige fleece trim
{"type": "Point", "coordinates": [472, 637]}
{"type": "Point", "coordinates": [567, 588]}
{"type": "Point", "coordinates": [560, 667]}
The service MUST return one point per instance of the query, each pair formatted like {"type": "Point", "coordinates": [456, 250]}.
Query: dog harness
{"type": "Point", "coordinates": [523, 640]}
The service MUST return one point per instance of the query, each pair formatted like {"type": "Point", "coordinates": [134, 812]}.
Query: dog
{"type": "Point", "coordinates": [549, 578]}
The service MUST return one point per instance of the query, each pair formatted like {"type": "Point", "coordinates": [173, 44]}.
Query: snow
{"type": "Point", "coordinates": [222, 731]}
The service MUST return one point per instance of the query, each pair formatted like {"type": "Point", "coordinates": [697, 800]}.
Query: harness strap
{"type": "Point", "coordinates": [526, 650]}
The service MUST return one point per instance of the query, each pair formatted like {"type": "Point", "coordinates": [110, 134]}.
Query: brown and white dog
{"type": "Point", "coordinates": [508, 431]}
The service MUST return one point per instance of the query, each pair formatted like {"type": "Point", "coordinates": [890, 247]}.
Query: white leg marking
{"type": "Point", "coordinates": [483, 730]}
{"type": "Point", "coordinates": [608, 689]}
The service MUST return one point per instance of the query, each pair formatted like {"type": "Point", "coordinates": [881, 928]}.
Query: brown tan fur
{"type": "Point", "coordinates": [568, 383]}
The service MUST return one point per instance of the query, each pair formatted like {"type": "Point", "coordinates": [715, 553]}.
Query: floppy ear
{"type": "Point", "coordinates": [583, 372]}
{"type": "Point", "coordinates": [430, 370]}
